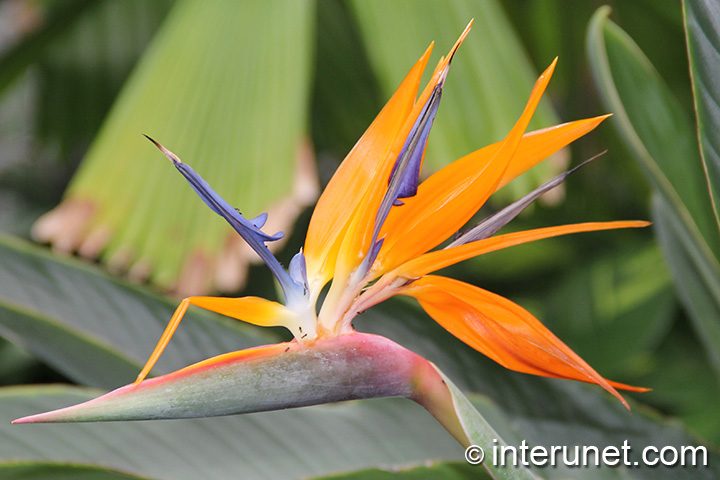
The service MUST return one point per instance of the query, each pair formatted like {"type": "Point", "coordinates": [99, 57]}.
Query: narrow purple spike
{"type": "Point", "coordinates": [405, 175]}
{"type": "Point", "coordinates": [218, 205]}
{"type": "Point", "coordinates": [249, 230]}
{"type": "Point", "coordinates": [406, 171]}
{"type": "Point", "coordinates": [495, 222]}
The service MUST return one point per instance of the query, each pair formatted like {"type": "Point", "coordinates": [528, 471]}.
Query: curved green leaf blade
{"type": "Point", "coordinates": [699, 286]}
{"type": "Point", "coordinates": [61, 471]}
{"type": "Point", "coordinates": [481, 433]}
{"type": "Point", "coordinates": [702, 24]}
{"type": "Point", "coordinates": [280, 445]}
{"type": "Point", "coordinates": [440, 471]}
{"type": "Point", "coordinates": [651, 122]}
{"type": "Point", "coordinates": [95, 329]}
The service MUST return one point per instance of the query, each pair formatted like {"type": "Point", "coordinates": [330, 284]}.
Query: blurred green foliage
{"type": "Point", "coordinates": [608, 295]}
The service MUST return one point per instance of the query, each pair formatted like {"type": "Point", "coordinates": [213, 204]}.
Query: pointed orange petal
{"type": "Point", "coordinates": [346, 190]}
{"type": "Point", "coordinates": [504, 331]}
{"type": "Point", "coordinates": [438, 259]}
{"type": "Point", "coordinates": [443, 206]}
{"type": "Point", "coordinates": [359, 235]}
{"type": "Point", "coordinates": [534, 147]}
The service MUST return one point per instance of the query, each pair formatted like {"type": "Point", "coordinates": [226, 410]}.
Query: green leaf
{"type": "Point", "coordinates": [440, 471]}
{"type": "Point", "coordinates": [702, 23]}
{"type": "Point", "coordinates": [481, 433]}
{"type": "Point", "coordinates": [225, 85]}
{"type": "Point", "coordinates": [660, 135]}
{"type": "Point", "coordinates": [280, 445]}
{"type": "Point", "coordinates": [684, 384]}
{"type": "Point", "coordinates": [698, 284]}
{"type": "Point", "coordinates": [489, 82]}
{"type": "Point", "coordinates": [95, 329]}
{"type": "Point", "coordinates": [654, 126]}
{"type": "Point", "coordinates": [61, 471]}
{"type": "Point", "coordinates": [614, 308]}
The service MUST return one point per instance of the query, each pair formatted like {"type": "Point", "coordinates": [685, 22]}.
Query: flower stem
{"type": "Point", "coordinates": [432, 393]}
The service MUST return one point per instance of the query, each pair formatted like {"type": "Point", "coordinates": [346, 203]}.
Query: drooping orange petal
{"type": "Point", "coordinates": [443, 206]}
{"type": "Point", "coordinates": [346, 190]}
{"type": "Point", "coordinates": [360, 232]}
{"type": "Point", "coordinates": [504, 331]}
{"type": "Point", "coordinates": [438, 259]}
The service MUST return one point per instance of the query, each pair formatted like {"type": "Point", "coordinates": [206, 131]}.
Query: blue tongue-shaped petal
{"type": "Point", "coordinates": [249, 230]}
{"type": "Point", "coordinates": [405, 175]}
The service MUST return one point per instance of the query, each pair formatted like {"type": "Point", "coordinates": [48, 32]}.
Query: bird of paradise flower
{"type": "Point", "coordinates": [373, 235]}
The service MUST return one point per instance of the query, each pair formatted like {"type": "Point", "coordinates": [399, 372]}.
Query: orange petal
{"type": "Point", "coordinates": [255, 310]}
{"type": "Point", "coordinates": [438, 259]}
{"type": "Point", "coordinates": [534, 147]}
{"type": "Point", "coordinates": [444, 205]}
{"type": "Point", "coordinates": [359, 235]}
{"type": "Point", "coordinates": [504, 331]}
{"type": "Point", "coordinates": [345, 192]}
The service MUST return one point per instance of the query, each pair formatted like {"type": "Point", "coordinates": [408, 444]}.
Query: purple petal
{"type": "Point", "coordinates": [249, 230]}
{"type": "Point", "coordinates": [406, 171]}
{"type": "Point", "coordinates": [493, 223]}
{"type": "Point", "coordinates": [405, 175]}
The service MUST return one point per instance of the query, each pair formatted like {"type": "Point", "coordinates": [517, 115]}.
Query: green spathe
{"type": "Point", "coordinates": [289, 375]}
{"type": "Point", "coordinates": [265, 378]}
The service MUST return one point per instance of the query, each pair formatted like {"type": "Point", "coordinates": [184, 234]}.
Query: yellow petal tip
{"type": "Point", "coordinates": [459, 41]}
